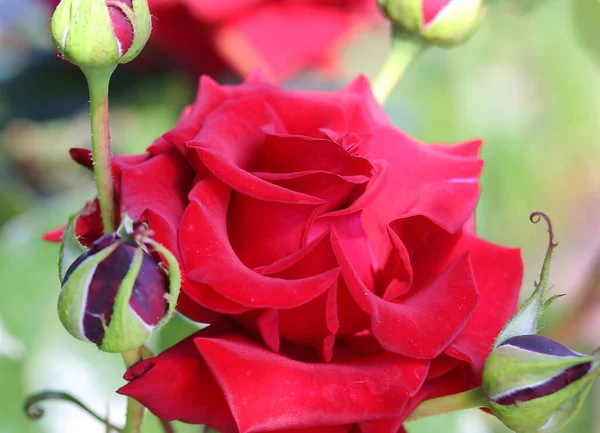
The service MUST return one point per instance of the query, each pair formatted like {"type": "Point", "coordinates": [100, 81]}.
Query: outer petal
{"type": "Point", "coordinates": [177, 385]}
{"type": "Point", "coordinates": [451, 383]}
{"type": "Point", "coordinates": [305, 113]}
{"type": "Point", "coordinates": [373, 111]}
{"type": "Point", "coordinates": [249, 388]}
{"type": "Point", "coordinates": [270, 392]}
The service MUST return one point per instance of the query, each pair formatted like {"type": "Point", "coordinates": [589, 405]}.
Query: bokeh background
{"type": "Point", "coordinates": [524, 84]}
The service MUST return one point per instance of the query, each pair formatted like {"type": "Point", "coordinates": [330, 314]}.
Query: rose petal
{"type": "Point", "coordinates": [82, 157]}
{"type": "Point", "coordinates": [432, 8]}
{"type": "Point", "coordinates": [163, 194]}
{"type": "Point", "coordinates": [268, 392]}
{"type": "Point", "coordinates": [209, 258]}
{"type": "Point", "coordinates": [255, 39]}
{"type": "Point", "coordinates": [313, 111]}
{"type": "Point", "coordinates": [284, 153]}
{"type": "Point", "coordinates": [230, 153]}
{"type": "Point", "coordinates": [430, 319]}
{"type": "Point", "coordinates": [420, 181]}
{"type": "Point", "coordinates": [262, 322]}
{"type": "Point", "coordinates": [468, 149]}
{"type": "Point", "coordinates": [314, 323]}
{"type": "Point", "coordinates": [177, 385]}
{"type": "Point", "coordinates": [387, 425]}
{"type": "Point", "coordinates": [208, 298]}
{"type": "Point", "coordinates": [196, 312]}
{"type": "Point", "coordinates": [498, 272]}
{"type": "Point", "coordinates": [374, 113]}
{"type": "Point", "coordinates": [262, 232]}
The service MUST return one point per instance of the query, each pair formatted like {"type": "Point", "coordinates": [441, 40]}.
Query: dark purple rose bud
{"type": "Point", "coordinates": [535, 384]}
{"type": "Point", "coordinates": [115, 294]}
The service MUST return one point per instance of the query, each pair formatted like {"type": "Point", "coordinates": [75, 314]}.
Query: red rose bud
{"type": "Point", "coordinates": [101, 33]}
{"type": "Point", "coordinates": [534, 384]}
{"type": "Point", "coordinates": [115, 294]}
{"type": "Point", "coordinates": [440, 22]}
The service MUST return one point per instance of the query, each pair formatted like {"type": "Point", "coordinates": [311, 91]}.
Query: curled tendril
{"type": "Point", "coordinates": [535, 218]}
{"type": "Point", "coordinates": [542, 286]}
{"type": "Point", "coordinates": [34, 411]}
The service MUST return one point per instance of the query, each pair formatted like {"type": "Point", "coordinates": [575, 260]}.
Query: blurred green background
{"type": "Point", "coordinates": [523, 84]}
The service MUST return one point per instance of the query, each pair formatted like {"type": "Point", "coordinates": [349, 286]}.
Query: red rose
{"type": "Point", "coordinates": [334, 255]}
{"type": "Point", "coordinates": [281, 37]}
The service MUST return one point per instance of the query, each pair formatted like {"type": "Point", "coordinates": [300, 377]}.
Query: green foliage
{"type": "Point", "coordinates": [586, 22]}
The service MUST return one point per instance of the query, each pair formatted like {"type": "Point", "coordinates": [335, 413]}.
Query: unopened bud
{"type": "Point", "coordinates": [101, 33]}
{"type": "Point", "coordinates": [116, 293]}
{"type": "Point", "coordinates": [534, 384]}
{"type": "Point", "coordinates": [444, 23]}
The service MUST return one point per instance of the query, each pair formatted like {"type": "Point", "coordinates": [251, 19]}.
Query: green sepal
{"type": "Point", "coordinates": [125, 229]}
{"type": "Point", "coordinates": [453, 25]}
{"type": "Point", "coordinates": [545, 414]}
{"type": "Point", "coordinates": [70, 248]}
{"type": "Point", "coordinates": [174, 280]}
{"type": "Point", "coordinates": [126, 330]}
{"type": "Point", "coordinates": [83, 32]}
{"type": "Point", "coordinates": [526, 319]}
{"type": "Point", "coordinates": [73, 295]}
{"type": "Point", "coordinates": [508, 368]}
{"type": "Point", "coordinates": [406, 14]}
{"type": "Point", "coordinates": [568, 410]}
{"type": "Point", "coordinates": [456, 23]}
{"type": "Point", "coordinates": [141, 20]}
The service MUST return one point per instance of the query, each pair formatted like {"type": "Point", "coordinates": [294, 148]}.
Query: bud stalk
{"type": "Point", "coordinates": [98, 83]}
{"type": "Point", "coordinates": [405, 49]}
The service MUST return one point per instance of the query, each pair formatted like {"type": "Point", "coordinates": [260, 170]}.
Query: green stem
{"type": "Point", "coordinates": [451, 403]}
{"type": "Point", "coordinates": [98, 80]}
{"type": "Point", "coordinates": [405, 49]}
{"type": "Point", "coordinates": [135, 410]}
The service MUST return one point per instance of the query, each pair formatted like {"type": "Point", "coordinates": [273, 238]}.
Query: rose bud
{"type": "Point", "coordinates": [116, 293]}
{"type": "Point", "coordinates": [101, 33]}
{"type": "Point", "coordinates": [536, 384]}
{"type": "Point", "coordinates": [440, 22]}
